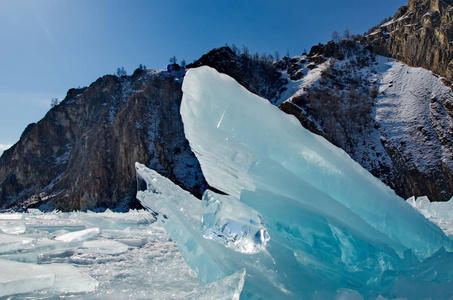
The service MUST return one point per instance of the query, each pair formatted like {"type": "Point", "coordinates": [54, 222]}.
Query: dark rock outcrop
{"type": "Point", "coordinates": [81, 155]}
{"type": "Point", "coordinates": [258, 76]}
{"type": "Point", "coordinates": [419, 34]}
{"type": "Point", "coordinates": [414, 154]}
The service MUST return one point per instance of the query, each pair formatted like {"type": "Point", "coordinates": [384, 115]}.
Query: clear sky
{"type": "Point", "coordinates": [50, 46]}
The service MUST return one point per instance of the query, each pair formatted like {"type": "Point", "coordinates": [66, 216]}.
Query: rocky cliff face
{"type": "Point", "coordinates": [420, 34]}
{"type": "Point", "coordinates": [81, 155]}
{"type": "Point", "coordinates": [395, 120]}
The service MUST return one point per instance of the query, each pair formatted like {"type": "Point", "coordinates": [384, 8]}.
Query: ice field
{"type": "Point", "coordinates": [131, 256]}
{"type": "Point", "coordinates": [96, 256]}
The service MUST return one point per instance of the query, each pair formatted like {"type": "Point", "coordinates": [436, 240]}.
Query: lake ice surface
{"type": "Point", "coordinates": [98, 256]}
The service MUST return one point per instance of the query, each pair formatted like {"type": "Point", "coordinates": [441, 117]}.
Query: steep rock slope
{"type": "Point", "coordinates": [419, 34]}
{"type": "Point", "coordinates": [81, 155]}
{"type": "Point", "coordinates": [395, 120]}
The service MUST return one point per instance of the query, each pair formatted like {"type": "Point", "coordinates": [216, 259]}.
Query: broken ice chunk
{"type": "Point", "coordinates": [227, 288]}
{"type": "Point", "coordinates": [104, 246]}
{"type": "Point", "coordinates": [78, 236]}
{"type": "Point", "coordinates": [12, 226]}
{"type": "Point", "coordinates": [233, 224]}
{"type": "Point", "coordinates": [12, 243]}
{"type": "Point", "coordinates": [69, 279]}
{"type": "Point", "coordinates": [17, 277]}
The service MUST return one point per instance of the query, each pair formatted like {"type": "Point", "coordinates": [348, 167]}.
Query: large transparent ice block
{"type": "Point", "coordinates": [180, 213]}
{"type": "Point", "coordinates": [311, 255]}
{"type": "Point", "coordinates": [231, 130]}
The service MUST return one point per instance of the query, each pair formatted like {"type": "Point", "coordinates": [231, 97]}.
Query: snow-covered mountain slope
{"type": "Point", "coordinates": [413, 111]}
{"type": "Point", "coordinates": [393, 119]}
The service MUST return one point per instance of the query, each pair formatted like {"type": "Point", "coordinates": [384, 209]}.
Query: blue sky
{"type": "Point", "coordinates": [50, 46]}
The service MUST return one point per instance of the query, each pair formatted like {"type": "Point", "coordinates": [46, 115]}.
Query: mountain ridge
{"type": "Point", "coordinates": [419, 34]}
{"type": "Point", "coordinates": [81, 154]}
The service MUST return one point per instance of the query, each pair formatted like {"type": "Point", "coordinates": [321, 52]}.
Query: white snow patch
{"type": "Point", "coordinates": [404, 111]}
{"type": "Point", "coordinates": [4, 147]}
{"type": "Point", "coordinates": [387, 23]}
{"type": "Point", "coordinates": [298, 87]}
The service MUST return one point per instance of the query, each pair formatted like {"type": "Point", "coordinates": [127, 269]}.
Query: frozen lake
{"type": "Point", "coordinates": [120, 255]}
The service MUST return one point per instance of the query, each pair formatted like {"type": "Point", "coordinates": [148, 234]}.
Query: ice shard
{"type": "Point", "coordinates": [243, 143]}
{"type": "Point", "coordinates": [180, 213]}
{"type": "Point", "coordinates": [10, 243]}
{"type": "Point", "coordinates": [227, 288]}
{"type": "Point", "coordinates": [78, 236]}
{"type": "Point", "coordinates": [104, 246]}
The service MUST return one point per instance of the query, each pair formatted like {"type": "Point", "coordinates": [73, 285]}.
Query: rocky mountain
{"type": "Point", "coordinates": [395, 120]}
{"type": "Point", "coordinates": [391, 116]}
{"type": "Point", "coordinates": [419, 34]}
{"type": "Point", "coordinates": [81, 155]}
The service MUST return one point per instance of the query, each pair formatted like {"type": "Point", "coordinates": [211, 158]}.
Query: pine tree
{"type": "Point", "coordinates": [54, 102]}
{"type": "Point", "coordinates": [173, 60]}
{"type": "Point", "coordinates": [121, 72]}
